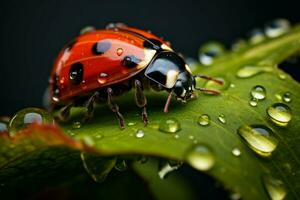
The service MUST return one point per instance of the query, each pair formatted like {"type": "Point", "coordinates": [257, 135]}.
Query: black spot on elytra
{"type": "Point", "coordinates": [130, 61]}
{"type": "Point", "coordinates": [76, 73]}
{"type": "Point", "coordinates": [152, 44]}
{"type": "Point", "coordinates": [101, 47]}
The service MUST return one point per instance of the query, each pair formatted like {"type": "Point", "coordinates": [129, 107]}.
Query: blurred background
{"type": "Point", "coordinates": [33, 32]}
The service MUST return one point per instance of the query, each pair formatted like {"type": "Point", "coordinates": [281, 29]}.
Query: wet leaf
{"type": "Point", "coordinates": [35, 154]}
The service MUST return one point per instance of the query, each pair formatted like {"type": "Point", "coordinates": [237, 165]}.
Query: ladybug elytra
{"type": "Point", "coordinates": [101, 64]}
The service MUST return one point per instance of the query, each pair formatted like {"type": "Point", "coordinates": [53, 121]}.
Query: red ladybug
{"type": "Point", "coordinates": [101, 64]}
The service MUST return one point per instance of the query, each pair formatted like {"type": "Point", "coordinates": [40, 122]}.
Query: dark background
{"type": "Point", "coordinates": [33, 32]}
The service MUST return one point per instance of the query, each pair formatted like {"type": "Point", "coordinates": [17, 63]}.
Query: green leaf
{"type": "Point", "coordinates": [220, 143]}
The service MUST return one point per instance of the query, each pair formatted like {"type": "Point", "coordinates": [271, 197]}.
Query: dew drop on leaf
{"type": "Point", "coordinates": [286, 97]}
{"type": "Point", "coordinates": [252, 70]}
{"type": "Point", "coordinates": [253, 102]}
{"type": "Point", "coordinates": [236, 152]}
{"type": "Point", "coordinates": [200, 157]}
{"type": "Point", "coordinates": [139, 134]}
{"type": "Point", "coordinates": [259, 138]}
{"type": "Point", "coordinates": [76, 125]}
{"type": "Point", "coordinates": [256, 36]}
{"type": "Point", "coordinates": [131, 123]}
{"type": "Point", "coordinates": [274, 187]}
{"type": "Point", "coordinates": [170, 125]}
{"type": "Point", "coordinates": [258, 92]}
{"type": "Point", "coordinates": [28, 116]}
{"type": "Point", "coordinates": [277, 27]}
{"type": "Point", "coordinates": [166, 168]}
{"type": "Point", "coordinates": [203, 120]}
{"type": "Point", "coordinates": [222, 118]}
{"type": "Point", "coordinates": [209, 51]}
{"type": "Point", "coordinates": [280, 114]}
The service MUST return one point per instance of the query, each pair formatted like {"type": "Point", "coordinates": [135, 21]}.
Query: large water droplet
{"type": "Point", "coordinates": [98, 167]}
{"type": "Point", "coordinates": [209, 51]}
{"type": "Point", "coordinates": [253, 102]}
{"type": "Point", "coordinates": [222, 118]}
{"type": "Point", "coordinates": [170, 125]}
{"type": "Point", "coordinates": [258, 92]}
{"type": "Point", "coordinates": [277, 27]}
{"type": "Point", "coordinates": [252, 70]}
{"type": "Point", "coordinates": [200, 157]}
{"type": "Point", "coordinates": [256, 36]}
{"type": "Point", "coordinates": [28, 116]}
{"type": "Point", "coordinates": [286, 97]}
{"type": "Point", "coordinates": [139, 134]}
{"type": "Point", "coordinates": [274, 187]}
{"type": "Point", "coordinates": [279, 113]}
{"type": "Point", "coordinates": [167, 167]}
{"type": "Point", "coordinates": [259, 138]}
{"type": "Point", "coordinates": [203, 120]}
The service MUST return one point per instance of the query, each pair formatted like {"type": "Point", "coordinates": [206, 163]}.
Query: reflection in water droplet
{"type": "Point", "coordinates": [76, 125]}
{"type": "Point", "coordinates": [222, 118]}
{"type": "Point", "coordinates": [168, 167]}
{"type": "Point", "coordinates": [203, 120]}
{"type": "Point", "coordinates": [200, 157]}
{"type": "Point", "coordinates": [139, 134]}
{"type": "Point", "coordinates": [258, 92]}
{"type": "Point", "coordinates": [28, 116]}
{"type": "Point", "coordinates": [280, 114]}
{"type": "Point", "coordinates": [170, 125]}
{"type": "Point", "coordinates": [259, 138]}
{"type": "Point", "coordinates": [274, 187]}
{"type": "Point", "coordinates": [209, 51]}
{"type": "Point", "coordinates": [287, 97]}
{"type": "Point", "coordinates": [277, 27]}
{"type": "Point", "coordinates": [253, 102]}
{"type": "Point", "coordinates": [252, 70]}
{"type": "Point", "coordinates": [236, 152]}
{"type": "Point", "coordinates": [102, 78]}
{"type": "Point", "coordinates": [98, 167]}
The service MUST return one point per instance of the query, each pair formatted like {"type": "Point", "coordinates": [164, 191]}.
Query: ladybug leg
{"type": "Point", "coordinates": [141, 100]}
{"type": "Point", "coordinates": [90, 107]}
{"type": "Point", "coordinates": [115, 108]}
{"type": "Point", "coordinates": [64, 112]}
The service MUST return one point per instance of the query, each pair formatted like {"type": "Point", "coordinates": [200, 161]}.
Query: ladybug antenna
{"type": "Point", "coordinates": [168, 102]}
{"type": "Point", "coordinates": [218, 81]}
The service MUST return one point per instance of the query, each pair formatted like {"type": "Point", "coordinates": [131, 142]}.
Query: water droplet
{"type": "Point", "coordinates": [191, 137]}
{"type": "Point", "coordinates": [139, 134]}
{"type": "Point", "coordinates": [259, 138]}
{"type": "Point", "coordinates": [203, 120]}
{"type": "Point", "coordinates": [131, 123]}
{"type": "Point", "coordinates": [252, 70]}
{"type": "Point", "coordinates": [154, 125]}
{"type": "Point", "coordinates": [213, 85]}
{"type": "Point", "coordinates": [236, 152]}
{"type": "Point", "coordinates": [102, 78]}
{"type": "Point", "coordinates": [176, 136]}
{"type": "Point", "coordinates": [258, 92]}
{"type": "Point", "coordinates": [165, 169]}
{"type": "Point", "coordinates": [209, 51]}
{"type": "Point", "coordinates": [98, 136]}
{"type": "Point", "coordinates": [98, 167]}
{"type": "Point", "coordinates": [274, 187]}
{"type": "Point", "coordinates": [253, 102]}
{"type": "Point", "coordinates": [4, 124]}
{"type": "Point", "coordinates": [287, 97]}
{"type": "Point", "coordinates": [222, 118]}
{"type": "Point", "coordinates": [282, 76]}
{"type": "Point", "coordinates": [256, 36]}
{"type": "Point", "coordinates": [121, 165]}
{"type": "Point", "coordinates": [238, 45]}
{"type": "Point", "coordinates": [277, 27]}
{"type": "Point", "coordinates": [76, 125]}
{"type": "Point", "coordinates": [232, 85]}
{"type": "Point", "coordinates": [279, 113]}
{"type": "Point", "coordinates": [87, 29]}
{"type": "Point", "coordinates": [170, 125]}
{"type": "Point", "coordinates": [119, 51]}
{"type": "Point", "coordinates": [28, 116]}
{"type": "Point", "coordinates": [200, 157]}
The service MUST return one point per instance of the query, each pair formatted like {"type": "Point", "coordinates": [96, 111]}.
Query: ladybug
{"type": "Point", "coordinates": [101, 64]}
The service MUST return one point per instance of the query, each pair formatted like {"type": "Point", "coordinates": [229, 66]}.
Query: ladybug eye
{"type": "Point", "coordinates": [130, 61]}
{"type": "Point", "coordinates": [76, 73]}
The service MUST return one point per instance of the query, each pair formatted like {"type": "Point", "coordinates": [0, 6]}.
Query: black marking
{"type": "Point", "coordinates": [76, 73]}
{"type": "Point", "coordinates": [152, 44]}
{"type": "Point", "coordinates": [130, 61]}
{"type": "Point", "coordinates": [101, 47]}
